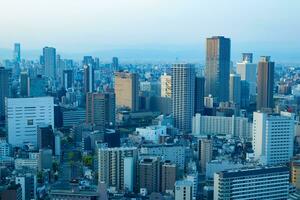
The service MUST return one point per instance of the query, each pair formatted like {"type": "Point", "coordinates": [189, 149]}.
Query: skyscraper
{"type": "Point", "coordinates": [183, 95]}
{"type": "Point", "coordinates": [199, 94]}
{"type": "Point", "coordinates": [247, 70]}
{"type": "Point", "coordinates": [68, 78]}
{"type": "Point", "coordinates": [166, 87]}
{"type": "Point", "coordinates": [235, 89]}
{"type": "Point", "coordinates": [273, 137]}
{"type": "Point", "coordinates": [217, 67]}
{"type": "Point", "coordinates": [49, 56]}
{"type": "Point", "coordinates": [115, 64]}
{"type": "Point", "coordinates": [88, 78]}
{"type": "Point", "coordinates": [100, 110]}
{"type": "Point", "coordinates": [5, 83]}
{"type": "Point", "coordinates": [265, 83]}
{"type": "Point", "coordinates": [127, 90]}
{"type": "Point", "coordinates": [17, 52]}
{"type": "Point", "coordinates": [24, 84]}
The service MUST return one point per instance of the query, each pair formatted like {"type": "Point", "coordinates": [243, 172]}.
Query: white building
{"type": "Point", "coordinates": [166, 88]}
{"type": "Point", "coordinates": [259, 183]}
{"type": "Point", "coordinates": [219, 125]}
{"type": "Point", "coordinates": [209, 101]}
{"type": "Point", "coordinates": [26, 163]}
{"type": "Point", "coordinates": [152, 133]}
{"type": "Point", "coordinates": [23, 115]}
{"type": "Point", "coordinates": [194, 179]}
{"type": "Point", "coordinates": [183, 190]}
{"type": "Point", "coordinates": [247, 70]}
{"type": "Point", "coordinates": [273, 138]}
{"type": "Point", "coordinates": [5, 149]}
{"type": "Point", "coordinates": [129, 168]}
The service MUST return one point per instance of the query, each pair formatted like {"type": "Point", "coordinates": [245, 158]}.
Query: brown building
{"type": "Point", "coordinates": [127, 90]}
{"type": "Point", "coordinates": [100, 110]}
{"type": "Point", "coordinates": [149, 174]}
{"type": "Point", "coordinates": [205, 147]}
{"type": "Point", "coordinates": [265, 83]}
{"type": "Point", "coordinates": [168, 176]}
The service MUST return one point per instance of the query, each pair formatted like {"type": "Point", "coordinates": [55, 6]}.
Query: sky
{"type": "Point", "coordinates": [77, 26]}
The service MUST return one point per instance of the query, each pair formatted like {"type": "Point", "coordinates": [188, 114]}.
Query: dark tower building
{"type": "Point", "coordinates": [5, 85]}
{"type": "Point", "coordinates": [68, 78]}
{"type": "Point", "coordinates": [24, 84]}
{"type": "Point", "coordinates": [45, 137]}
{"type": "Point", "coordinates": [199, 94]}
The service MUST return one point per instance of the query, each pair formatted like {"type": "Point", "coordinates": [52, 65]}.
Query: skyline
{"type": "Point", "coordinates": [176, 29]}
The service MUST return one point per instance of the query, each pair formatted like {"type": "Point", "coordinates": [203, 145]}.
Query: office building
{"type": "Point", "coordinates": [24, 115]}
{"type": "Point", "coordinates": [111, 165]}
{"type": "Point", "coordinates": [37, 86]}
{"type": "Point", "coordinates": [257, 183]}
{"type": "Point", "coordinates": [199, 94]}
{"type": "Point", "coordinates": [28, 184]}
{"type": "Point", "coordinates": [217, 68]}
{"type": "Point", "coordinates": [115, 64]}
{"type": "Point", "coordinates": [205, 149]}
{"type": "Point", "coordinates": [68, 78]}
{"type": "Point", "coordinates": [24, 84]}
{"type": "Point", "coordinates": [219, 125]}
{"type": "Point", "coordinates": [45, 159]}
{"type": "Point", "coordinates": [295, 172]}
{"type": "Point", "coordinates": [45, 137]}
{"type": "Point", "coordinates": [5, 85]}
{"type": "Point", "coordinates": [166, 85]}
{"type": "Point", "coordinates": [49, 56]}
{"type": "Point", "coordinates": [129, 173]}
{"type": "Point", "coordinates": [247, 70]}
{"type": "Point", "coordinates": [183, 96]}
{"type": "Point", "coordinates": [273, 137]}
{"type": "Point", "coordinates": [168, 176]}
{"type": "Point", "coordinates": [100, 110]}
{"type": "Point", "coordinates": [149, 174]}
{"type": "Point", "coordinates": [183, 190]}
{"type": "Point", "coordinates": [88, 78]}
{"type": "Point", "coordinates": [17, 52]}
{"type": "Point", "coordinates": [265, 83]}
{"type": "Point", "coordinates": [127, 90]}
{"type": "Point", "coordinates": [235, 89]}
{"type": "Point", "coordinates": [245, 94]}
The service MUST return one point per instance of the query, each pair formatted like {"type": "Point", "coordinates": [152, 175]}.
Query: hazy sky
{"type": "Point", "coordinates": [89, 25]}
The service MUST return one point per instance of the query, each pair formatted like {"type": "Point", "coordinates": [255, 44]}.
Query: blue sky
{"type": "Point", "coordinates": [92, 25]}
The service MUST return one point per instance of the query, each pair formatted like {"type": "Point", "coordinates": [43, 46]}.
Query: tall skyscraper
{"type": "Point", "coordinates": [235, 89]}
{"type": "Point", "coordinates": [24, 115]}
{"type": "Point", "coordinates": [127, 90]}
{"type": "Point", "coordinates": [265, 83]}
{"type": "Point", "coordinates": [166, 87]}
{"type": "Point", "coordinates": [115, 64]}
{"type": "Point", "coordinates": [247, 70]}
{"type": "Point", "coordinates": [68, 78]}
{"type": "Point", "coordinates": [24, 84]}
{"type": "Point", "coordinates": [88, 78]}
{"type": "Point", "coordinates": [100, 110]}
{"type": "Point", "coordinates": [199, 94]}
{"type": "Point", "coordinates": [17, 52]}
{"type": "Point", "coordinates": [49, 56]}
{"type": "Point", "coordinates": [5, 84]}
{"type": "Point", "coordinates": [217, 68]}
{"type": "Point", "coordinates": [245, 94]}
{"type": "Point", "coordinates": [183, 95]}
{"type": "Point", "coordinates": [273, 137]}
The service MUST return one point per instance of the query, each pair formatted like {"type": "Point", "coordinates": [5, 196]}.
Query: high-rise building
{"type": "Point", "coordinates": [265, 83]}
{"type": "Point", "coordinates": [45, 159]}
{"type": "Point", "coordinates": [168, 176]}
{"type": "Point", "coordinates": [68, 78]}
{"type": "Point", "coordinates": [247, 70]}
{"type": "Point", "coordinates": [205, 146]}
{"type": "Point", "coordinates": [217, 68]}
{"type": "Point", "coordinates": [115, 64]}
{"type": "Point", "coordinates": [183, 190]}
{"type": "Point", "coordinates": [111, 165]}
{"type": "Point", "coordinates": [257, 183]}
{"type": "Point", "coordinates": [88, 78]}
{"type": "Point", "coordinates": [49, 55]}
{"type": "Point", "coordinates": [37, 86]}
{"type": "Point", "coordinates": [24, 115]}
{"type": "Point", "coordinates": [45, 137]}
{"type": "Point", "coordinates": [100, 110]}
{"type": "Point", "coordinates": [17, 52]}
{"type": "Point", "coordinates": [127, 90]}
{"type": "Point", "coordinates": [28, 184]}
{"type": "Point", "coordinates": [149, 174]}
{"type": "Point", "coordinates": [24, 84]}
{"type": "Point", "coordinates": [245, 94]}
{"type": "Point", "coordinates": [183, 96]}
{"type": "Point", "coordinates": [5, 84]}
{"type": "Point", "coordinates": [235, 89]}
{"type": "Point", "coordinates": [273, 137]}
{"type": "Point", "coordinates": [199, 94]}
{"type": "Point", "coordinates": [166, 87]}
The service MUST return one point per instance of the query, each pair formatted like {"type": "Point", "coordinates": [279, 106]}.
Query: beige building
{"type": "Point", "coordinates": [127, 90]}
{"type": "Point", "coordinates": [166, 87]}
{"type": "Point", "coordinates": [205, 152]}
{"type": "Point", "coordinates": [168, 176]}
